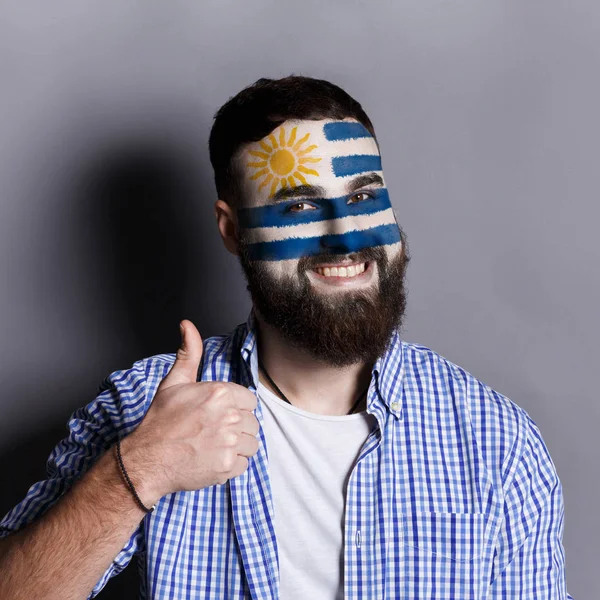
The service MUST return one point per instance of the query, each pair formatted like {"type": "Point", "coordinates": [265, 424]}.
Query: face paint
{"type": "Point", "coordinates": [301, 183]}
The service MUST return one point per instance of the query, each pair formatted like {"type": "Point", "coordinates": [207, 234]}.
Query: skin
{"type": "Point", "coordinates": [307, 383]}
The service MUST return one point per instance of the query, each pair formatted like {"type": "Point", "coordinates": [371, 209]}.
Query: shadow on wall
{"type": "Point", "coordinates": [135, 211]}
{"type": "Point", "coordinates": [139, 203]}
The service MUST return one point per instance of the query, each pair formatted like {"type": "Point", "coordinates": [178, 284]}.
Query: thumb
{"type": "Point", "coordinates": [189, 355]}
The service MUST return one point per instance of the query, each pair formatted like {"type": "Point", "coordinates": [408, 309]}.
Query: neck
{"type": "Point", "coordinates": [308, 383]}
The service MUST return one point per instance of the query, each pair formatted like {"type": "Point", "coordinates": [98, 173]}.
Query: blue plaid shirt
{"type": "Point", "coordinates": [453, 496]}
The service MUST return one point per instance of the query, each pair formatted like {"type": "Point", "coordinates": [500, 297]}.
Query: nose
{"type": "Point", "coordinates": [335, 244]}
{"type": "Point", "coordinates": [334, 239]}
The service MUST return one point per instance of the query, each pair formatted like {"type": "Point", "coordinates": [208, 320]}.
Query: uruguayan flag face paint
{"type": "Point", "coordinates": [315, 187]}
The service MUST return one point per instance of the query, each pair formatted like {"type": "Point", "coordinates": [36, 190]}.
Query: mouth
{"type": "Point", "coordinates": [341, 274]}
{"type": "Point", "coordinates": [350, 270]}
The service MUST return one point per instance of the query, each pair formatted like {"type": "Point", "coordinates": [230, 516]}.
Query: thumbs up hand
{"type": "Point", "coordinates": [195, 434]}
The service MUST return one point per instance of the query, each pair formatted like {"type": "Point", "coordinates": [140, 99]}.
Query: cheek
{"type": "Point", "coordinates": [279, 269]}
{"type": "Point", "coordinates": [393, 251]}
{"type": "Point", "coordinates": [383, 217]}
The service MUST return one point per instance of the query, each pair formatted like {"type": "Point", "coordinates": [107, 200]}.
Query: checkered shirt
{"type": "Point", "coordinates": [453, 496]}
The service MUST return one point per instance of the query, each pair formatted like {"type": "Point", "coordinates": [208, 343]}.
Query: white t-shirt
{"type": "Point", "coordinates": [310, 460]}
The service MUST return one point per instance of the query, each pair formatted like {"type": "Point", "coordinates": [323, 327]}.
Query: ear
{"type": "Point", "coordinates": [227, 224]}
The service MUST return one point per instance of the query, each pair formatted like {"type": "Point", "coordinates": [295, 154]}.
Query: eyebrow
{"type": "Point", "coordinates": [363, 180]}
{"type": "Point", "coordinates": [299, 191]}
{"type": "Point", "coordinates": [316, 191]}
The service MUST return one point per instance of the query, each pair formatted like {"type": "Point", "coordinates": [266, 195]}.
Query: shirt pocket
{"type": "Point", "coordinates": [454, 536]}
{"type": "Point", "coordinates": [442, 555]}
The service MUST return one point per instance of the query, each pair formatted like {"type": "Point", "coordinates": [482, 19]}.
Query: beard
{"type": "Point", "coordinates": [340, 328]}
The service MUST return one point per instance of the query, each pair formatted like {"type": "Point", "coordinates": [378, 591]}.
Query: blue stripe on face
{"type": "Point", "coordinates": [357, 163]}
{"type": "Point", "coordinates": [344, 243]}
{"type": "Point", "coordinates": [338, 131]}
{"type": "Point", "coordinates": [280, 215]}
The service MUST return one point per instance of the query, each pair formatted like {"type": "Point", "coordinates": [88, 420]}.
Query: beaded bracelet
{"type": "Point", "coordinates": [129, 484]}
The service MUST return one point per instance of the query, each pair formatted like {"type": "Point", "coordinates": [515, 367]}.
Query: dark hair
{"type": "Point", "coordinates": [261, 107]}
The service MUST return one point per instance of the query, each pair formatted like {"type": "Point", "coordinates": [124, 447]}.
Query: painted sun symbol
{"type": "Point", "coordinates": [282, 162]}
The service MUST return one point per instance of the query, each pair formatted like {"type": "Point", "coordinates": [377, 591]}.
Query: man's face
{"type": "Point", "coordinates": [319, 242]}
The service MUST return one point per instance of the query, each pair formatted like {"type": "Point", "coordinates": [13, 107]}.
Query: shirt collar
{"type": "Point", "coordinates": [387, 373]}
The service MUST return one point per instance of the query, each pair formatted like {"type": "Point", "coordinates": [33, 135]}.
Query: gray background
{"type": "Point", "coordinates": [487, 117]}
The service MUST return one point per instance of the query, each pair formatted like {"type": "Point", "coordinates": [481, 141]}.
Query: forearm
{"type": "Point", "coordinates": [64, 554]}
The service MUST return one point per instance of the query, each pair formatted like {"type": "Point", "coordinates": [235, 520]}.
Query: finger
{"type": "Point", "coordinates": [247, 445]}
{"type": "Point", "coordinates": [243, 398]}
{"type": "Point", "coordinates": [187, 360]}
{"type": "Point", "coordinates": [241, 465]}
{"type": "Point", "coordinates": [249, 423]}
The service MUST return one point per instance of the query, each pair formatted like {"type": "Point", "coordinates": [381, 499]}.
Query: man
{"type": "Point", "coordinates": [311, 453]}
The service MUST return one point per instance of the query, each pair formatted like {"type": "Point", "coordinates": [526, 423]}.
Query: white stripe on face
{"type": "Point", "coordinates": [320, 228]}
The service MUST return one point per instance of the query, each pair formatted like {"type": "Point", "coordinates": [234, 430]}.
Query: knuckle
{"type": "Point", "coordinates": [230, 439]}
{"type": "Point", "coordinates": [227, 463]}
{"type": "Point", "coordinates": [218, 390]}
{"type": "Point", "coordinates": [232, 415]}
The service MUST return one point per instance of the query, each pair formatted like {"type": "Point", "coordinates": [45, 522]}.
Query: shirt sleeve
{"type": "Point", "coordinates": [119, 407]}
{"type": "Point", "coordinates": [529, 560]}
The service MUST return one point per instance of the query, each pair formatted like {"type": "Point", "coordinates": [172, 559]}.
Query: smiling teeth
{"type": "Point", "coordinates": [350, 271]}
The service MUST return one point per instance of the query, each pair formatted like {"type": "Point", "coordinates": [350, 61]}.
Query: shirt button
{"type": "Point", "coordinates": [395, 405]}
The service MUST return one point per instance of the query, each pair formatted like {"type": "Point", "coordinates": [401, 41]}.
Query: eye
{"type": "Point", "coordinates": [359, 197]}
{"type": "Point", "coordinates": [300, 207]}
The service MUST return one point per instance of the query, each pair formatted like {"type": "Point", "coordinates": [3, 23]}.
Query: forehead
{"type": "Point", "coordinates": [325, 153]}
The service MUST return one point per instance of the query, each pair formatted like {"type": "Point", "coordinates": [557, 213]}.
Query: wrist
{"type": "Point", "coordinates": [141, 471]}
